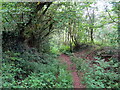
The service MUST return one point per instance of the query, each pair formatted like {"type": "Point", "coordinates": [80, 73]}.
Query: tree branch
{"type": "Point", "coordinates": [89, 15]}
{"type": "Point", "coordinates": [38, 8]}
{"type": "Point", "coordinates": [46, 8]}
{"type": "Point", "coordinates": [110, 15]}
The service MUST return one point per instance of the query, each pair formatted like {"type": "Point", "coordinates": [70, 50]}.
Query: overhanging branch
{"type": "Point", "coordinates": [110, 15]}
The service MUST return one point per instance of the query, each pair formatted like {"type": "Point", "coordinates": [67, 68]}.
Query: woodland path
{"type": "Point", "coordinates": [72, 68]}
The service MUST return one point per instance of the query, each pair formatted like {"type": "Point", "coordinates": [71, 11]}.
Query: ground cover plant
{"type": "Point", "coordinates": [21, 73]}
{"type": "Point", "coordinates": [37, 37]}
{"type": "Point", "coordinates": [99, 73]}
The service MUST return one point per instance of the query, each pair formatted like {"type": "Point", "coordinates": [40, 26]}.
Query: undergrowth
{"type": "Point", "coordinates": [99, 73]}
{"type": "Point", "coordinates": [32, 71]}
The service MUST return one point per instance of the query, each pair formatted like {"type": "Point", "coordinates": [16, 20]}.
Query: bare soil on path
{"type": "Point", "coordinates": [72, 68]}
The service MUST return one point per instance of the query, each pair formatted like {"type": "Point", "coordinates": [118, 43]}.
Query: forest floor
{"type": "Point", "coordinates": [77, 76]}
{"type": "Point", "coordinates": [87, 54]}
{"type": "Point", "coordinates": [72, 68]}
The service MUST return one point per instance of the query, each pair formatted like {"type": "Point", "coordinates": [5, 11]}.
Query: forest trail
{"type": "Point", "coordinates": [72, 68]}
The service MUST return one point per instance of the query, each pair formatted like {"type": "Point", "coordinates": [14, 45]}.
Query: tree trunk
{"type": "Point", "coordinates": [91, 35]}
{"type": "Point", "coordinates": [70, 34]}
{"type": "Point", "coordinates": [92, 19]}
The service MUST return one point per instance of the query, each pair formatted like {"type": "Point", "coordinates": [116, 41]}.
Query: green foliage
{"type": "Point", "coordinates": [64, 79]}
{"type": "Point", "coordinates": [54, 50]}
{"type": "Point", "coordinates": [80, 63]}
{"type": "Point", "coordinates": [21, 73]}
{"type": "Point", "coordinates": [64, 48]}
{"type": "Point", "coordinates": [100, 75]}
{"type": "Point", "coordinates": [12, 13]}
{"type": "Point", "coordinates": [68, 53]}
{"type": "Point", "coordinates": [71, 22]}
{"type": "Point", "coordinates": [104, 29]}
{"type": "Point", "coordinates": [39, 80]}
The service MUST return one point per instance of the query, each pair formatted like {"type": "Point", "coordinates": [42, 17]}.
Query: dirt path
{"type": "Point", "coordinates": [72, 67]}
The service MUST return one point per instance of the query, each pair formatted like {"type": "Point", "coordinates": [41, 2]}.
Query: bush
{"type": "Point", "coordinates": [54, 50]}
{"type": "Point", "coordinates": [19, 72]}
{"type": "Point", "coordinates": [64, 79]}
{"type": "Point", "coordinates": [64, 48]}
{"type": "Point", "coordinates": [100, 75]}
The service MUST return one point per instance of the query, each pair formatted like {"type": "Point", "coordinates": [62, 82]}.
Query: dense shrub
{"type": "Point", "coordinates": [64, 48]}
{"type": "Point", "coordinates": [99, 73]}
{"type": "Point", "coordinates": [23, 72]}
